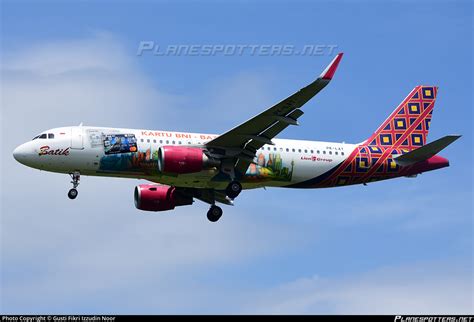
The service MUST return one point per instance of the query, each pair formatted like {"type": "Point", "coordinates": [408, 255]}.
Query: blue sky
{"type": "Point", "coordinates": [401, 246]}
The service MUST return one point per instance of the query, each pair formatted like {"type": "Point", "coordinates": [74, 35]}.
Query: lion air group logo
{"type": "Point", "coordinates": [46, 150]}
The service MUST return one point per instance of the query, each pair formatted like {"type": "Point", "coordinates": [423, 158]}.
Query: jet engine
{"type": "Point", "coordinates": [151, 197]}
{"type": "Point", "coordinates": [181, 160]}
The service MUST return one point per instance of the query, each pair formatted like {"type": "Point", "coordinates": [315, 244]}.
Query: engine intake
{"type": "Point", "coordinates": [182, 160]}
{"type": "Point", "coordinates": [151, 197]}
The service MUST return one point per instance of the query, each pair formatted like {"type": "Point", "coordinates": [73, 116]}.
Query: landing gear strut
{"type": "Point", "coordinates": [233, 189]}
{"type": "Point", "coordinates": [214, 213]}
{"type": "Point", "coordinates": [75, 176]}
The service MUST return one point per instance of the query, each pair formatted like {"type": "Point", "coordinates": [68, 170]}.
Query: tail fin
{"type": "Point", "coordinates": [408, 125]}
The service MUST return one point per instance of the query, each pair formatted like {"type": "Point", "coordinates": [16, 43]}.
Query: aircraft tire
{"type": "Point", "coordinates": [233, 189]}
{"type": "Point", "coordinates": [72, 194]}
{"type": "Point", "coordinates": [214, 213]}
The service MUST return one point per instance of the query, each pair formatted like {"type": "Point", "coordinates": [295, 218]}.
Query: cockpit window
{"type": "Point", "coordinates": [44, 136]}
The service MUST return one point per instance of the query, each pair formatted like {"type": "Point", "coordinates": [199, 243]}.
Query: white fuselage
{"type": "Point", "coordinates": [96, 151]}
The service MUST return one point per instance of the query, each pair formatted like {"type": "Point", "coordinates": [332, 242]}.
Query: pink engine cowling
{"type": "Point", "coordinates": [181, 160]}
{"type": "Point", "coordinates": [151, 197]}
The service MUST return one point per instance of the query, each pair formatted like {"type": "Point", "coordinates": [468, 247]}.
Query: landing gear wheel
{"type": "Point", "coordinates": [72, 194]}
{"type": "Point", "coordinates": [75, 176]}
{"type": "Point", "coordinates": [214, 213]}
{"type": "Point", "coordinates": [233, 189]}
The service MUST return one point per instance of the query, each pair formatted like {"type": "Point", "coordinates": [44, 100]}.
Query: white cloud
{"type": "Point", "coordinates": [64, 83]}
{"type": "Point", "coordinates": [102, 52]}
{"type": "Point", "coordinates": [422, 288]}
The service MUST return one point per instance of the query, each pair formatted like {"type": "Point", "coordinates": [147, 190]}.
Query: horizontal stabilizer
{"type": "Point", "coordinates": [426, 151]}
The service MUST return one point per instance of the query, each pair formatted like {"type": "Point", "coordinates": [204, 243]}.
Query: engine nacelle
{"type": "Point", "coordinates": [153, 197]}
{"type": "Point", "coordinates": [181, 160]}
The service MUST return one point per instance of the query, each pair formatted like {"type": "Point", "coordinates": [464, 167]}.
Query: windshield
{"type": "Point", "coordinates": [44, 136]}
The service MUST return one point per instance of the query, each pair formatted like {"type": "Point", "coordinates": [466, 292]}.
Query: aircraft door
{"type": "Point", "coordinates": [77, 137]}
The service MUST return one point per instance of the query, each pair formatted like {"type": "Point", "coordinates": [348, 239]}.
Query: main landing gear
{"type": "Point", "coordinates": [214, 213]}
{"type": "Point", "coordinates": [233, 189]}
{"type": "Point", "coordinates": [75, 176]}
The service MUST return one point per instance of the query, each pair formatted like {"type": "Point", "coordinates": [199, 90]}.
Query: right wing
{"type": "Point", "coordinates": [251, 135]}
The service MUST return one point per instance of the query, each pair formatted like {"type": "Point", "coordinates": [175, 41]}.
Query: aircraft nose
{"type": "Point", "coordinates": [20, 153]}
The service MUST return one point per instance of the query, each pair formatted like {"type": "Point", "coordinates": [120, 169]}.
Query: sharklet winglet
{"type": "Point", "coordinates": [329, 72]}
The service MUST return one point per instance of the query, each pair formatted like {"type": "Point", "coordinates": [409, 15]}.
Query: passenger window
{"type": "Point", "coordinates": [154, 141]}
{"type": "Point", "coordinates": [287, 150]}
{"type": "Point", "coordinates": [281, 149]}
{"type": "Point", "coordinates": [324, 152]}
{"type": "Point", "coordinates": [293, 150]}
{"type": "Point", "coordinates": [312, 151]}
{"type": "Point", "coordinates": [148, 141]}
{"type": "Point", "coordinates": [167, 142]}
{"type": "Point", "coordinates": [330, 152]}
{"type": "Point", "coordinates": [318, 152]}
{"type": "Point", "coordinates": [42, 136]}
{"type": "Point", "coordinates": [173, 142]}
{"type": "Point", "coordinates": [50, 136]}
{"type": "Point", "coordinates": [141, 140]}
{"type": "Point", "coordinates": [179, 142]}
{"type": "Point", "coordinates": [305, 151]}
{"type": "Point", "coordinates": [274, 149]}
{"type": "Point", "coordinates": [299, 150]}
{"type": "Point", "coordinates": [335, 153]}
{"type": "Point", "coordinates": [268, 148]}
{"type": "Point", "coordinates": [342, 153]}
{"type": "Point", "coordinates": [161, 141]}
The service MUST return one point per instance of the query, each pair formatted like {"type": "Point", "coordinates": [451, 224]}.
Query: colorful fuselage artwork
{"type": "Point", "coordinates": [121, 154]}
{"type": "Point", "coordinates": [270, 167]}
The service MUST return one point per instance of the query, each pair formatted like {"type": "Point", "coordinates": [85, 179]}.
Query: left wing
{"type": "Point", "coordinates": [249, 136]}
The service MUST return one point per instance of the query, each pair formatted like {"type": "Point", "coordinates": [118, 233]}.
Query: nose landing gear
{"type": "Point", "coordinates": [75, 176]}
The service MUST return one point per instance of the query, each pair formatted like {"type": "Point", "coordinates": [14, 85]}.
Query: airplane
{"type": "Point", "coordinates": [182, 167]}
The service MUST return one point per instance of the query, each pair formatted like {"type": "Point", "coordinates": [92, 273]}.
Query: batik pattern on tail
{"type": "Point", "coordinates": [407, 127]}
{"type": "Point", "coordinates": [404, 130]}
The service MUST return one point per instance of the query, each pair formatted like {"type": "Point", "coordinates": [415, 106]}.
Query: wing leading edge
{"type": "Point", "coordinates": [251, 135]}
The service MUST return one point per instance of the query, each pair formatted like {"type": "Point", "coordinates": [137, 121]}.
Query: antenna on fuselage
{"type": "Point", "coordinates": [80, 124]}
